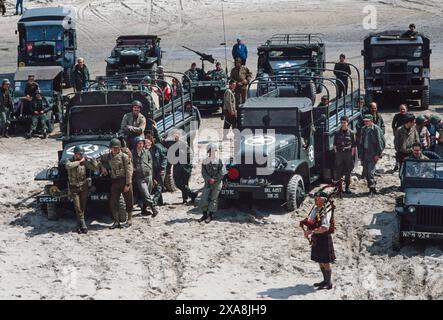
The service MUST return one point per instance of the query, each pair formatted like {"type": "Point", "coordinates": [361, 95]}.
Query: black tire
{"type": "Point", "coordinates": [425, 99]}
{"type": "Point", "coordinates": [432, 155]}
{"type": "Point", "coordinates": [123, 215]}
{"type": "Point", "coordinates": [397, 241]}
{"type": "Point", "coordinates": [295, 193]}
{"type": "Point", "coordinates": [169, 179]}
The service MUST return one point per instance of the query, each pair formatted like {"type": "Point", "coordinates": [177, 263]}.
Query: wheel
{"type": "Point", "coordinates": [295, 193]}
{"type": "Point", "coordinates": [425, 99]}
{"type": "Point", "coordinates": [169, 180]}
{"type": "Point", "coordinates": [397, 241]}
{"type": "Point", "coordinates": [123, 215]}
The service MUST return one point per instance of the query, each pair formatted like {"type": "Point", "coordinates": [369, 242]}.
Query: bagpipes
{"type": "Point", "coordinates": [329, 206]}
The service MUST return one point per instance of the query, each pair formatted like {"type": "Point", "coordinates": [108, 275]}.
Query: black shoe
{"type": "Point", "coordinates": [16, 14]}
{"type": "Point", "coordinates": [395, 168]}
{"type": "Point", "coordinates": [128, 224]}
{"type": "Point", "coordinates": [154, 211]}
{"type": "Point", "coordinates": [185, 201]}
{"type": "Point", "coordinates": [347, 191]}
{"type": "Point", "coordinates": [203, 218]}
{"type": "Point", "coordinates": [115, 225]}
{"type": "Point", "coordinates": [319, 284]}
{"type": "Point", "coordinates": [144, 211]}
{"type": "Point", "coordinates": [45, 134]}
{"type": "Point", "coordinates": [209, 218]}
{"type": "Point", "coordinates": [325, 286]}
{"type": "Point", "coordinates": [193, 197]}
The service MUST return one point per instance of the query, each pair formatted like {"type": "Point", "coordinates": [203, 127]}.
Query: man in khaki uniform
{"type": "Point", "coordinates": [78, 184]}
{"type": "Point", "coordinates": [133, 123]}
{"type": "Point", "coordinates": [119, 166]}
{"type": "Point", "coordinates": [405, 137]}
{"type": "Point", "coordinates": [229, 109]}
{"type": "Point", "coordinates": [242, 76]}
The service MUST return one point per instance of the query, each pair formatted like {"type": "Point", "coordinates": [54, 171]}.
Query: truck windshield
{"type": "Point", "coordinates": [286, 54]}
{"type": "Point", "coordinates": [401, 51]}
{"type": "Point", "coordinates": [263, 118]}
{"type": "Point", "coordinates": [423, 170]}
{"type": "Point", "coordinates": [44, 33]}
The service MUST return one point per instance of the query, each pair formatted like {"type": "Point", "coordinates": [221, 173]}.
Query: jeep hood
{"type": "Point", "coordinates": [265, 144]}
{"type": "Point", "coordinates": [280, 65]}
{"type": "Point", "coordinates": [93, 149]}
{"type": "Point", "coordinates": [424, 197]}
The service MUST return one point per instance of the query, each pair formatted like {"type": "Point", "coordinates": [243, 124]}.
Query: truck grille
{"type": "Point", "coordinates": [397, 73]}
{"type": "Point", "coordinates": [44, 51]}
{"type": "Point", "coordinates": [129, 60]}
{"type": "Point", "coordinates": [204, 93]}
{"type": "Point", "coordinates": [430, 216]}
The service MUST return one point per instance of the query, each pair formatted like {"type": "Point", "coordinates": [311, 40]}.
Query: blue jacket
{"type": "Point", "coordinates": [240, 51]}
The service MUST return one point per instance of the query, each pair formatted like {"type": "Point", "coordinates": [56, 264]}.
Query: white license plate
{"type": "Point", "coordinates": [48, 199]}
{"type": "Point", "coordinates": [415, 235]}
{"type": "Point", "coordinates": [99, 197]}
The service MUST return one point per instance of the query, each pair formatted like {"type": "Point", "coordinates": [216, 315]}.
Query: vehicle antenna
{"type": "Point", "coordinates": [224, 38]}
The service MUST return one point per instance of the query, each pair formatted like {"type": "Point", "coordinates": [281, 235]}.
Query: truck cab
{"type": "Point", "coordinates": [47, 37]}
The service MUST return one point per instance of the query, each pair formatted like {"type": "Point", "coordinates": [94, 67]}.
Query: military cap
{"type": "Point", "coordinates": [368, 117]}
{"type": "Point", "coordinates": [78, 149]}
{"type": "Point", "coordinates": [211, 146]}
{"type": "Point", "coordinates": [138, 139]}
{"type": "Point", "coordinates": [321, 194]}
{"type": "Point", "coordinates": [420, 119]}
{"type": "Point", "coordinates": [5, 81]}
{"type": "Point", "coordinates": [409, 117]}
{"type": "Point", "coordinates": [435, 119]}
{"type": "Point", "coordinates": [31, 76]}
{"type": "Point", "coordinates": [115, 143]}
{"type": "Point", "coordinates": [137, 103]}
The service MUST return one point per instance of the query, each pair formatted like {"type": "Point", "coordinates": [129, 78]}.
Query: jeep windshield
{"type": "Point", "coordinates": [262, 118]}
{"type": "Point", "coordinates": [44, 33]}
{"type": "Point", "coordinates": [400, 51]}
{"type": "Point", "coordinates": [423, 169]}
{"type": "Point", "coordinates": [290, 54]}
{"type": "Point", "coordinates": [134, 43]}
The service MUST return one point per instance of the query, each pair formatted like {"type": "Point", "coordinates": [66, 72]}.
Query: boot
{"type": "Point", "coordinates": [144, 211]}
{"type": "Point", "coordinates": [29, 135]}
{"type": "Point", "coordinates": [5, 133]}
{"type": "Point", "coordinates": [154, 211]}
{"type": "Point", "coordinates": [83, 227]}
{"type": "Point", "coordinates": [205, 216]}
{"type": "Point", "coordinates": [45, 134]}
{"type": "Point", "coordinates": [115, 225]}
{"type": "Point", "coordinates": [327, 285]}
{"type": "Point", "coordinates": [210, 217]}
{"type": "Point", "coordinates": [372, 191]}
{"type": "Point", "coordinates": [193, 196]}
{"type": "Point", "coordinates": [319, 284]}
{"type": "Point", "coordinates": [129, 222]}
{"type": "Point", "coordinates": [347, 190]}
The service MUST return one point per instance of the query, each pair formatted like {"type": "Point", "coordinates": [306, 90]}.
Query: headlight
{"type": "Point", "coordinates": [416, 70]}
{"type": "Point", "coordinates": [216, 89]}
{"type": "Point", "coordinates": [377, 71]}
{"type": "Point", "coordinates": [411, 209]}
{"type": "Point", "coordinates": [59, 53]}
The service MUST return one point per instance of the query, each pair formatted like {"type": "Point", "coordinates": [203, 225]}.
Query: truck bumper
{"type": "Point", "coordinates": [237, 191]}
{"type": "Point", "coordinates": [94, 197]}
{"type": "Point", "coordinates": [207, 104]}
{"type": "Point", "coordinates": [395, 88]}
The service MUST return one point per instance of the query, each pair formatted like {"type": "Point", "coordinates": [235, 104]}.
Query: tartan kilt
{"type": "Point", "coordinates": [322, 250]}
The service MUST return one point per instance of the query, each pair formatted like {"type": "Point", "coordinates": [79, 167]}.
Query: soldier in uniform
{"type": "Point", "coordinates": [378, 120]}
{"type": "Point", "coordinates": [77, 167]}
{"type": "Point", "coordinates": [143, 172]}
{"type": "Point", "coordinates": [433, 126]}
{"type": "Point", "coordinates": [405, 137]}
{"type": "Point", "coordinates": [39, 108]}
{"type": "Point", "coordinates": [397, 122]}
{"type": "Point", "coordinates": [190, 108]}
{"type": "Point", "coordinates": [229, 109]}
{"type": "Point", "coordinates": [417, 152]}
{"type": "Point", "coordinates": [125, 85]}
{"type": "Point", "coordinates": [3, 7]}
{"type": "Point", "coordinates": [423, 132]}
{"type": "Point", "coordinates": [217, 74]}
{"type": "Point", "coordinates": [30, 89]}
{"type": "Point", "coordinates": [159, 164]}
{"type": "Point", "coordinates": [80, 75]}
{"type": "Point", "coordinates": [340, 70]}
{"type": "Point", "coordinates": [193, 74]}
{"type": "Point", "coordinates": [182, 170]}
{"type": "Point", "coordinates": [344, 149]}
{"type": "Point", "coordinates": [118, 165]}
{"type": "Point", "coordinates": [372, 145]}
{"type": "Point", "coordinates": [411, 33]}
{"type": "Point", "coordinates": [324, 101]}
{"type": "Point", "coordinates": [133, 123]}
{"type": "Point", "coordinates": [242, 76]}
{"type": "Point", "coordinates": [6, 107]}
{"type": "Point", "coordinates": [322, 225]}
{"type": "Point", "coordinates": [212, 172]}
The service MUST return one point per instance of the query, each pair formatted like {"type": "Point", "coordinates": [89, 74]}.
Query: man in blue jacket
{"type": "Point", "coordinates": [239, 50]}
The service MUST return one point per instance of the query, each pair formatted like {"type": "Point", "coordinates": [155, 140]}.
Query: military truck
{"type": "Point", "coordinates": [93, 118]}
{"type": "Point", "coordinates": [420, 210]}
{"type": "Point", "coordinates": [287, 57]}
{"type": "Point", "coordinates": [285, 145]}
{"type": "Point", "coordinates": [50, 81]}
{"type": "Point", "coordinates": [134, 53]}
{"type": "Point", "coordinates": [207, 94]}
{"type": "Point", "coordinates": [47, 37]}
{"type": "Point", "coordinates": [397, 66]}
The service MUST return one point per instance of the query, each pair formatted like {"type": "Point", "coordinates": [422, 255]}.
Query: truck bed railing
{"type": "Point", "coordinates": [295, 38]}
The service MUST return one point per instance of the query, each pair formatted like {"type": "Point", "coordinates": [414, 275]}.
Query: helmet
{"type": "Point", "coordinates": [435, 119]}
{"type": "Point", "coordinates": [420, 120]}
{"type": "Point", "coordinates": [115, 143]}
{"type": "Point", "coordinates": [78, 149]}
{"type": "Point", "coordinates": [5, 81]}
{"type": "Point", "coordinates": [38, 91]}
{"type": "Point", "coordinates": [138, 139]}
{"type": "Point", "coordinates": [212, 147]}
{"type": "Point", "coordinates": [137, 103]}
{"type": "Point", "coordinates": [146, 78]}
{"type": "Point", "coordinates": [321, 194]}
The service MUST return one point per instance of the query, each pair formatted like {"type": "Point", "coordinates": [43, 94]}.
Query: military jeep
{"type": "Point", "coordinates": [93, 118]}
{"type": "Point", "coordinates": [134, 53]}
{"type": "Point", "coordinates": [397, 66]}
{"type": "Point", "coordinates": [286, 57]}
{"type": "Point", "coordinates": [420, 209]}
{"type": "Point", "coordinates": [285, 145]}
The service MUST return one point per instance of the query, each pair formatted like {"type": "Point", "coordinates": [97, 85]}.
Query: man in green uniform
{"type": "Point", "coordinates": [242, 76]}
{"type": "Point", "coordinates": [77, 167]}
{"type": "Point", "coordinates": [192, 74]}
{"type": "Point", "coordinates": [119, 166]}
{"type": "Point", "coordinates": [229, 109]}
{"type": "Point", "coordinates": [405, 137]}
{"type": "Point", "coordinates": [212, 171]}
{"type": "Point", "coordinates": [417, 152]}
{"type": "Point", "coordinates": [344, 149]}
{"type": "Point", "coordinates": [6, 107]}
{"type": "Point", "coordinates": [39, 108]}
{"type": "Point", "coordinates": [133, 123]}
{"type": "Point", "coordinates": [159, 162]}
{"type": "Point", "coordinates": [217, 74]}
{"type": "Point", "coordinates": [372, 145]}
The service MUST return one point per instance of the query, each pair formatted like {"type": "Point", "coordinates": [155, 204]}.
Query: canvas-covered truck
{"type": "Point", "coordinates": [285, 145]}
{"type": "Point", "coordinates": [397, 66]}
{"type": "Point", "coordinates": [47, 37]}
{"type": "Point", "coordinates": [92, 119]}
{"type": "Point", "coordinates": [286, 58]}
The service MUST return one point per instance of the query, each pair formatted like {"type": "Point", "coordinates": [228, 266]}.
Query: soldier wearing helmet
{"type": "Point", "coordinates": [118, 166]}
{"type": "Point", "coordinates": [126, 85]}
{"type": "Point", "coordinates": [423, 132]}
{"type": "Point", "coordinates": [133, 123]}
{"type": "Point", "coordinates": [143, 175]}
{"type": "Point", "coordinates": [212, 171]}
{"type": "Point", "coordinates": [39, 108]}
{"type": "Point", "coordinates": [77, 167]}
{"type": "Point", "coordinates": [6, 107]}
{"type": "Point", "coordinates": [411, 33]}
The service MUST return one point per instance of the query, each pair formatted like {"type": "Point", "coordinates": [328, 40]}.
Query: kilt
{"type": "Point", "coordinates": [322, 250]}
